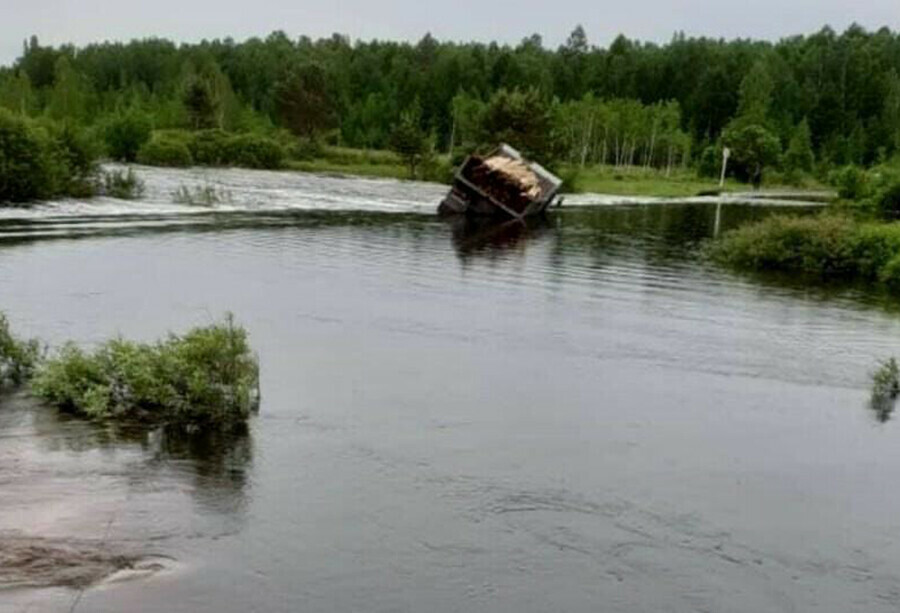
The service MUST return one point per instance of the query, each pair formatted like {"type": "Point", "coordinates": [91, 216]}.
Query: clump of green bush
{"type": "Point", "coordinates": [18, 358]}
{"type": "Point", "coordinates": [872, 193]}
{"type": "Point", "coordinates": [209, 147]}
{"type": "Point", "coordinates": [165, 151]}
{"type": "Point", "coordinates": [212, 147]}
{"type": "Point", "coordinates": [208, 377]}
{"type": "Point", "coordinates": [126, 134]}
{"type": "Point", "coordinates": [254, 151]}
{"type": "Point", "coordinates": [122, 184]}
{"type": "Point", "coordinates": [825, 245]}
{"type": "Point", "coordinates": [42, 160]}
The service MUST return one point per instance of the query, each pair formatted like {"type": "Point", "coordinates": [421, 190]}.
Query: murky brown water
{"type": "Point", "coordinates": [580, 416]}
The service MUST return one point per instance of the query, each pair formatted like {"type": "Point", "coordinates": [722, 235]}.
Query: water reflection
{"type": "Point", "coordinates": [489, 237]}
{"type": "Point", "coordinates": [882, 407]}
{"type": "Point", "coordinates": [213, 467]}
{"type": "Point", "coordinates": [218, 463]}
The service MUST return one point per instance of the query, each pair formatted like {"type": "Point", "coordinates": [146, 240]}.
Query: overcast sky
{"type": "Point", "coordinates": [83, 21]}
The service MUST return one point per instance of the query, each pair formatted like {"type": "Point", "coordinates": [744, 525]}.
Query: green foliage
{"type": "Point", "coordinates": [887, 201]}
{"type": "Point", "coordinates": [851, 181]}
{"type": "Point", "coordinates": [68, 99]}
{"type": "Point", "coordinates": [39, 161]}
{"type": "Point", "coordinates": [210, 147]}
{"type": "Point", "coordinates": [756, 94]}
{"type": "Point", "coordinates": [16, 93]}
{"type": "Point", "coordinates": [799, 155]}
{"type": "Point", "coordinates": [890, 273]}
{"type": "Point", "coordinates": [621, 133]}
{"type": "Point", "coordinates": [18, 358]}
{"type": "Point", "coordinates": [409, 141]}
{"type": "Point", "coordinates": [122, 184]}
{"type": "Point", "coordinates": [125, 134]}
{"type": "Point", "coordinates": [206, 378]}
{"type": "Point", "coordinates": [24, 166]}
{"type": "Point", "coordinates": [163, 151]}
{"type": "Point", "coordinates": [201, 105]}
{"type": "Point", "coordinates": [710, 162]}
{"type": "Point", "coordinates": [825, 245]}
{"type": "Point", "coordinates": [753, 148]}
{"type": "Point", "coordinates": [844, 84]}
{"type": "Point", "coordinates": [522, 119]}
{"type": "Point", "coordinates": [303, 101]}
{"type": "Point", "coordinates": [254, 151]}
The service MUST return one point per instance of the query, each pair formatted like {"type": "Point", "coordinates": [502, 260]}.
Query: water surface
{"type": "Point", "coordinates": [579, 415]}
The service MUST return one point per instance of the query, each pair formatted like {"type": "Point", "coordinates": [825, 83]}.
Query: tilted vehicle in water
{"type": "Point", "coordinates": [502, 183]}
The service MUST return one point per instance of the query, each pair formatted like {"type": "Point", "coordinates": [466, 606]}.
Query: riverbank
{"type": "Point", "coordinates": [624, 181]}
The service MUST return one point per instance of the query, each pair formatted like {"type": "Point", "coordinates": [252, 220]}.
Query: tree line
{"type": "Point", "coordinates": [823, 100]}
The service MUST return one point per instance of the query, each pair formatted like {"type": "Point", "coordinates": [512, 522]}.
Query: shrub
{"type": "Point", "coordinates": [306, 149]}
{"type": "Point", "coordinates": [18, 358]}
{"type": "Point", "coordinates": [851, 182]}
{"type": "Point", "coordinates": [126, 134]}
{"type": "Point", "coordinates": [162, 151]}
{"type": "Point", "coordinates": [25, 165]}
{"type": "Point", "coordinates": [122, 184]}
{"type": "Point", "coordinates": [210, 147]}
{"type": "Point", "coordinates": [255, 151]}
{"type": "Point", "coordinates": [809, 244]}
{"type": "Point", "coordinates": [887, 201]}
{"type": "Point", "coordinates": [890, 273]}
{"type": "Point", "coordinates": [710, 162]}
{"type": "Point", "coordinates": [43, 160]}
{"type": "Point", "coordinates": [206, 378]}
{"type": "Point", "coordinates": [827, 245]}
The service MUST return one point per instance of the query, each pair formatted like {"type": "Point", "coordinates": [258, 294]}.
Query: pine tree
{"type": "Point", "coordinates": [799, 155]}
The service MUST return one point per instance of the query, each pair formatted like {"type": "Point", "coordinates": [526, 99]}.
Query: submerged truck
{"type": "Point", "coordinates": [501, 184]}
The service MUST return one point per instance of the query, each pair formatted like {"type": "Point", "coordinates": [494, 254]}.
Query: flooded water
{"type": "Point", "coordinates": [579, 415]}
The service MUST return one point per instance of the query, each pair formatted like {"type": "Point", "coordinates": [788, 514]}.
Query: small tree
{"type": "Point", "coordinates": [304, 103]}
{"type": "Point", "coordinates": [69, 96]}
{"type": "Point", "coordinates": [756, 94]}
{"type": "Point", "coordinates": [200, 104]}
{"type": "Point", "coordinates": [799, 155]}
{"type": "Point", "coordinates": [754, 147]}
{"type": "Point", "coordinates": [409, 140]}
{"type": "Point", "coordinates": [126, 134]}
{"type": "Point", "coordinates": [522, 119]}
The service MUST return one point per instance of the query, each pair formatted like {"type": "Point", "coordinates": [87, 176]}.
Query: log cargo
{"type": "Point", "coordinates": [502, 183]}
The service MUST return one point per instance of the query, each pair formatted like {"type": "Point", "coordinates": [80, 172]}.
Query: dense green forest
{"type": "Point", "coordinates": [803, 104]}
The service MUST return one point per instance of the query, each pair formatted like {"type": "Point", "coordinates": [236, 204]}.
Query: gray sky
{"type": "Point", "coordinates": [84, 21]}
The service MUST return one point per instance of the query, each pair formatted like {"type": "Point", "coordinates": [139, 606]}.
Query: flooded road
{"type": "Point", "coordinates": [579, 415]}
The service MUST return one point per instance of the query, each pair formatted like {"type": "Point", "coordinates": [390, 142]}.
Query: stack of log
{"type": "Point", "coordinates": [506, 180]}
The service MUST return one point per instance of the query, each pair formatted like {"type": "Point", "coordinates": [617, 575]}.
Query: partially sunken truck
{"type": "Point", "coordinates": [501, 184]}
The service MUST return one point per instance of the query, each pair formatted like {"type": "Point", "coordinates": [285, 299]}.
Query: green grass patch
{"type": "Point", "coordinates": [206, 378]}
{"type": "Point", "coordinates": [639, 182]}
{"type": "Point", "coordinates": [370, 163]}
